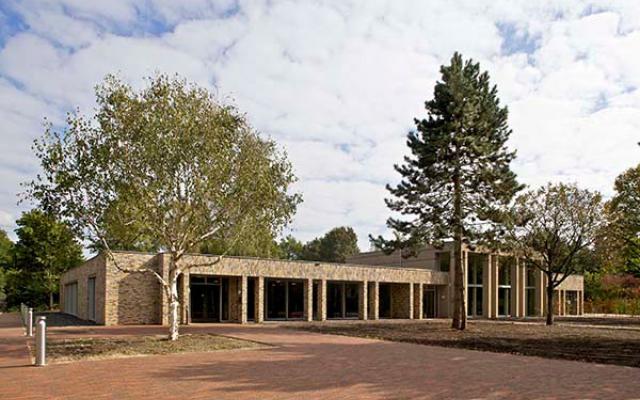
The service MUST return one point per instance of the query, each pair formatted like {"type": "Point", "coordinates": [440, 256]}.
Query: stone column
{"type": "Point", "coordinates": [259, 300]}
{"type": "Point", "coordinates": [308, 299]}
{"type": "Point", "coordinates": [322, 300]}
{"type": "Point", "coordinates": [514, 308]}
{"type": "Point", "coordinates": [487, 275]}
{"type": "Point", "coordinates": [523, 298]}
{"type": "Point", "coordinates": [363, 299]}
{"type": "Point", "coordinates": [495, 276]}
{"type": "Point", "coordinates": [581, 302]}
{"type": "Point", "coordinates": [539, 292]}
{"type": "Point", "coordinates": [242, 307]}
{"type": "Point", "coordinates": [374, 303]}
{"type": "Point", "coordinates": [418, 311]}
{"type": "Point", "coordinates": [410, 301]}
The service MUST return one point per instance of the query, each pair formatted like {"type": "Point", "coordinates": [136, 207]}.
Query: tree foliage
{"type": "Point", "coordinates": [335, 246]}
{"type": "Point", "coordinates": [552, 229]}
{"type": "Point", "coordinates": [458, 177]}
{"type": "Point", "coordinates": [290, 248]}
{"type": "Point", "coordinates": [619, 246]}
{"type": "Point", "coordinates": [6, 261]}
{"type": "Point", "coordinates": [44, 250]}
{"type": "Point", "coordinates": [169, 162]}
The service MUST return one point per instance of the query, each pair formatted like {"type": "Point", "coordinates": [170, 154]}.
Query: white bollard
{"type": "Point", "coordinates": [41, 332]}
{"type": "Point", "coordinates": [30, 322]}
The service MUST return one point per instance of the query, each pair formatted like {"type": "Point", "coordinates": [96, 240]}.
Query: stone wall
{"type": "Point", "coordinates": [134, 297]}
{"type": "Point", "coordinates": [401, 300]}
{"type": "Point", "coordinates": [238, 266]}
{"type": "Point", "coordinates": [94, 267]}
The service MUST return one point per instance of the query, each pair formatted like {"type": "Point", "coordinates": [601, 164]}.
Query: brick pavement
{"type": "Point", "coordinates": [310, 366]}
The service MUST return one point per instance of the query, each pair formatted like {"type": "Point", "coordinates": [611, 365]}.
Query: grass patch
{"type": "Point", "coordinates": [75, 349]}
{"type": "Point", "coordinates": [598, 345]}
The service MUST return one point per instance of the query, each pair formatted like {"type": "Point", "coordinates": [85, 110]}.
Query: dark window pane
{"type": "Point", "coordinates": [296, 300]}
{"type": "Point", "coordinates": [351, 300]}
{"type": "Point", "coordinates": [444, 261]}
{"type": "Point", "coordinates": [531, 302]}
{"type": "Point", "coordinates": [478, 301]}
{"type": "Point", "coordinates": [334, 300]}
{"type": "Point", "coordinates": [384, 298]}
{"type": "Point", "coordinates": [276, 299]}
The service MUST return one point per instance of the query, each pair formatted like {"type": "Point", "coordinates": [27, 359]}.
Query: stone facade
{"type": "Point", "coordinates": [136, 296]}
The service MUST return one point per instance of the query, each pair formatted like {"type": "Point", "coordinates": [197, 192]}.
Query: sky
{"type": "Point", "coordinates": [337, 83]}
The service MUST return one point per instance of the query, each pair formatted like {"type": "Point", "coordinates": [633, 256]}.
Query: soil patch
{"type": "Point", "coordinates": [591, 344]}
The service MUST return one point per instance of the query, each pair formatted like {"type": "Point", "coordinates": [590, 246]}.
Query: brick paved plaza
{"type": "Point", "coordinates": [302, 365]}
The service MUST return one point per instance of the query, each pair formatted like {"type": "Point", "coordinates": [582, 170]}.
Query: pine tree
{"type": "Point", "coordinates": [458, 178]}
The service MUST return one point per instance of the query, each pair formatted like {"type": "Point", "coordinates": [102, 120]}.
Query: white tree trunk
{"type": "Point", "coordinates": [174, 322]}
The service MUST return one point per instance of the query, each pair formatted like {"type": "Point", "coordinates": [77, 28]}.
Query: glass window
{"type": "Point", "coordinates": [475, 267]}
{"type": "Point", "coordinates": [351, 300]}
{"type": "Point", "coordinates": [295, 300]}
{"type": "Point", "coordinates": [444, 261]}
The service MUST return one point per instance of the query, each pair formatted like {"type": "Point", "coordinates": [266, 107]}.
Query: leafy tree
{"type": "Point", "coordinates": [171, 161]}
{"type": "Point", "coordinates": [621, 242]}
{"type": "Point", "coordinates": [6, 257]}
{"type": "Point", "coordinates": [6, 250]}
{"type": "Point", "coordinates": [45, 249]}
{"type": "Point", "coordinates": [290, 248]}
{"type": "Point", "coordinates": [458, 176]}
{"type": "Point", "coordinates": [334, 246]}
{"type": "Point", "coordinates": [552, 229]}
{"type": "Point", "coordinates": [338, 244]}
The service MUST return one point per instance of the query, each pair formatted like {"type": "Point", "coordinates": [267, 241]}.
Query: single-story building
{"type": "Point", "coordinates": [369, 286]}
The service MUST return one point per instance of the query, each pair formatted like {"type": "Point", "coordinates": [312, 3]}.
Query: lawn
{"type": "Point", "coordinates": [571, 342]}
{"type": "Point", "coordinates": [75, 349]}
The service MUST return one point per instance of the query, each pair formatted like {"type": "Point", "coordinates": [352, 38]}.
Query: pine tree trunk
{"type": "Point", "coordinates": [51, 300]}
{"type": "Point", "coordinates": [459, 314]}
{"type": "Point", "coordinates": [550, 303]}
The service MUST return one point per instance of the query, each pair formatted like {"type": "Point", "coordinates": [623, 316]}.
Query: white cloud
{"type": "Point", "coordinates": [338, 83]}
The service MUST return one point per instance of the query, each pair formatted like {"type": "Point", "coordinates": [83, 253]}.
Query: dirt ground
{"type": "Point", "coordinates": [74, 349]}
{"type": "Point", "coordinates": [571, 340]}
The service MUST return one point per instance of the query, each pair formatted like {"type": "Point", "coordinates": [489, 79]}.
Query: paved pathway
{"type": "Point", "coordinates": [311, 366]}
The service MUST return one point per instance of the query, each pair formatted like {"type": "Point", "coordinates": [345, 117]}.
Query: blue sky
{"type": "Point", "coordinates": [338, 83]}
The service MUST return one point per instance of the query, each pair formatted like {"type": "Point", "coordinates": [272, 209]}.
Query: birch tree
{"type": "Point", "coordinates": [169, 161]}
{"type": "Point", "coordinates": [550, 228]}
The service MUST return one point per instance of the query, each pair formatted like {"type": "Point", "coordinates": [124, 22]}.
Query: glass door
{"type": "Point", "coordinates": [429, 303]}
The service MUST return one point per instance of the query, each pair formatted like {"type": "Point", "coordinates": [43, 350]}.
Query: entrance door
{"type": "Point", "coordinates": [429, 303]}
{"type": "Point", "coordinates": [384, 299]}
{"type": "Point", "coordinates": [206, 299]}
{"type": "Point", "coordinates": [251, 304]}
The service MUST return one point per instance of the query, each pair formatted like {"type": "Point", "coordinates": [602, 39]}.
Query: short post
{"type": "Point", "coordinates": [41, 332]}
{"type": "Point", "coordinates": [30, 322]}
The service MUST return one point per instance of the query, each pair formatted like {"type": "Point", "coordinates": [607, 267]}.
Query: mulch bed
{"type": "Point", "coordinates": [74, 349]}
{"type": "Point", "coordinates": [597, 345]}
